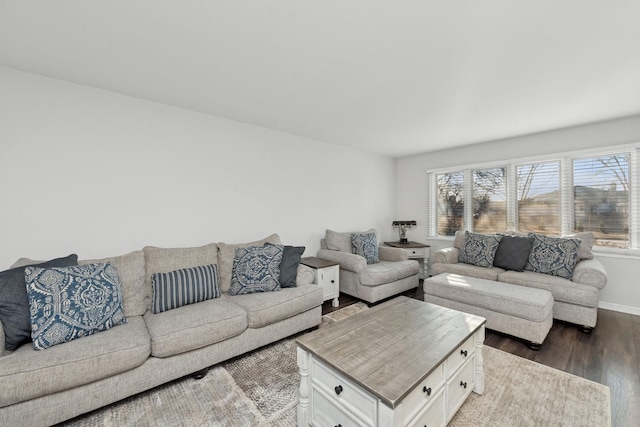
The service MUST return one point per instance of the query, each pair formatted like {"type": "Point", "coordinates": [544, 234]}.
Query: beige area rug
{"type": "Point", "coordinates": [261, 389]}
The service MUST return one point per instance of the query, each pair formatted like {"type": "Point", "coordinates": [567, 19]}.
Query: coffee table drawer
{"type": "Point", "coordinates": [433, 415]}
{"type": "Point", "coordinates": [460, 355]}
{"type": "Point", "coordinates": [423, 393]}
{"type": "Point", "coordinates": [324, 412]}
{"type": "Point", "coordinates": [344, 392]}
{"type": "Point", "coordinates": [459, 387]}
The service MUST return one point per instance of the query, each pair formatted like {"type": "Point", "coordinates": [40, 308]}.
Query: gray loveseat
{"type": "Point", "coordinates": [575, 300]}
{"type": "Point", "coordinates": [66, 380]}
{"type": "Point", "coordinates": [393, 274]}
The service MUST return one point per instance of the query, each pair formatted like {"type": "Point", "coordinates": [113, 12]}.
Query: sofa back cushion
{"type": "Point", "coordinates": [131, 269]}
{"type": "Point", "coordinates": [227, 253]}
{"type": "Point", "coordinates": [164, 260]}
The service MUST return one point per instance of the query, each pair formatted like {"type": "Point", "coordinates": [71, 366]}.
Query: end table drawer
{"type": "Point", "coordinates": [416, 252]}
{"type": "Point", "coordinates": [423, 393]}
{"type": "Point", "coordinates": [344, 392]}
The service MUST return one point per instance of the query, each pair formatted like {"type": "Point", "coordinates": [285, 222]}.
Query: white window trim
{"type": "Point", "coordinates": [566, 178]}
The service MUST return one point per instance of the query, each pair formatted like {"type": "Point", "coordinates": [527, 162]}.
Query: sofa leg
{"type": "Point", "coordinates": [586, 329]}
{"type": "Point", "coordinates": [200, 374]}
{"type": "Point", "coordinates": [534, 345]}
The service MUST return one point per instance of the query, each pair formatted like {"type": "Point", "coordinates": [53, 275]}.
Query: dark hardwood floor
{"type": "Point", "coordinates": [610, 355]}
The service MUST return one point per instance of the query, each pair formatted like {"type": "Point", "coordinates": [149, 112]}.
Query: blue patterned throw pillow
{"type": "Point", "coordinates": [365, 245]}
{"type": "Point", "coordinates": [556, 256]}
{"type": "Point", "coordinates": [72, 302]}
{"type": "Point", "coordinates": [479, 249]}
{"type": "Point", "coordinates": [186, 286]}
{"type": "Point", "coordinates": [256, 269]}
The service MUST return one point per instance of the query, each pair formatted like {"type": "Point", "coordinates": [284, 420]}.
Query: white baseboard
{"type": "Point", "coordinates": [619, 307]}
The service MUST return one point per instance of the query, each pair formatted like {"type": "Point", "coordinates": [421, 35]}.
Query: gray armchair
{"type": "Point", "coordinates": [393, 274]}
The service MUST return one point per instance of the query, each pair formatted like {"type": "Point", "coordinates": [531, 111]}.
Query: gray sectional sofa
{"type": "Point", "coordinates": [574, 300]}
{"type": "Point", "coordinates": [46, 387]}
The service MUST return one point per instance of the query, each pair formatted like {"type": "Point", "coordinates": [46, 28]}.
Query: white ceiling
{"type": "Point", "coordinates": [393, 77]}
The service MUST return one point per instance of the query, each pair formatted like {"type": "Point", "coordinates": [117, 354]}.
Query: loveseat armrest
{"type": "Point", "coordinates": [304, 275]}
{"type": "Point", "coordinates": [446, 255]}
{"type": "Point", "coordinates": [347, 261]}
{"type": "Point", "coordinates": [590, 272]}
{"type": "Point", "coordinates": [387, 253]}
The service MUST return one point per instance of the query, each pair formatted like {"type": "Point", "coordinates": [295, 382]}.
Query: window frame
{"type": "Point", "coordinates": [565, 159]}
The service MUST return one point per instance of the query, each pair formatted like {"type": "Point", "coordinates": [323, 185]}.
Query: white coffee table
{"type": "Point", "coordinates": [401, 363]}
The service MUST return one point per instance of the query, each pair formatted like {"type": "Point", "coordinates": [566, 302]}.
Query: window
{"type": "Point", "coordinates": [450, 203]}
{"type": "Point", "coordinates": [555, 197]}
{"type": "Point", "coordinates": [489, 200]}
{"type": "Point", "coordinates": [539, 197]}
{"type": "Point", "coordinates": [601, 198]}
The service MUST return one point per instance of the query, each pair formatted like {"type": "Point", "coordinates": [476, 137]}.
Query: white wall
{"type": "Point", "coordinates": [621, 292]}
{"type": "Point", "coordinates": [96, 173]}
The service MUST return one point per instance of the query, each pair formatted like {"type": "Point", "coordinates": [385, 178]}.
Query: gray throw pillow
{"type": "Point", "coordinates": [14, 302]}
{"type": "Point", "coordinates": [513, 252]}
{"type": "Point", "coordinates": [479, 249]}
{"type": "Point", "coordinates": [291, 257]}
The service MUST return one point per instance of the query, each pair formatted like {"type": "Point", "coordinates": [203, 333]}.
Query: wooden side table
{"type": "Point", "coordinates": [326, 274]}
{"type": "Point", "coordinates": [417, 251]}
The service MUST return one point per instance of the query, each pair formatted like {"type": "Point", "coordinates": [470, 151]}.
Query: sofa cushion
{"type": "Point", "coordinates": [479, 249]}
{"type": "Point", "coordinates": [14, 302]}
{"type": "Point", "coordinates": [365, 245]}
{"type": "Point", "coordinates": [563, 290]}
{"type": "Point", "coordinates": [513, 300]}
{"type": "Point", "coordinates": [341, 241]}
{"type": "Point", "coordinates": [553, 255]}
{"type": "Point", "coordinates": [164, 260]}
{"type": "Point", "coordinates": [185, 286]}
{"type": "Point", "coordinates": [388, 271]}
{"type": "Point", "coordinates": [586, 243]}
{"type": "Point", "coordinates": [513, 252]}
{"type": "Point", "coordinates": [227, 253]}
{"type": "Point", "coordinates": [131, 269]}
{"type": "Point", "coordinates": [68, 303]}
{"type": "Point", "coordinates": [270, 307]}
{"type": "Point", "coordinates": [256, 269]}
{"type": "Point", "coordinates": [467, 270]}
{"type": "Point", "coordinates": [28, 374]}
{"type": "Point", "coordinates": [194, 326]}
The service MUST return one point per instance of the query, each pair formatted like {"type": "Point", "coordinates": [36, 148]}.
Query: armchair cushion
{"type": "Point", "coordinates": [387, 272]}
{"type": "Point", "coordinates": [338, 241]}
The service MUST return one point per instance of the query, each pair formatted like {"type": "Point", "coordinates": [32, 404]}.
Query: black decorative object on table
{"type": "Point", "coordinates": [402, 227]}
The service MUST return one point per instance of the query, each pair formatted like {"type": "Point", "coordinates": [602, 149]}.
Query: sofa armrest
{"type": "Point", "coordinates": [305, 275]}
{"type": "Point", "coordinates": [387, 253]}
{"type": "Point", "coordinates": [446, 255]}
{"type": "Point", "coordinates": [351, 262]}
{"type": "Point", "coordinates": [590, 272]}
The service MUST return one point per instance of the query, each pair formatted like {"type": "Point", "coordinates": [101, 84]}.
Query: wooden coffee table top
{"type": "Point", "coordinates": [390, 348]}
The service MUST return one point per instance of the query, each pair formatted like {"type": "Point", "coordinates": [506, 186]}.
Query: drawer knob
{"type": "Point", "coordinates": [339, 425]}
{"type": "Point", "coordinates": [427, 390]}
{"type": "Point", "coordinates": [463, 352]}
{"type": "Point", "coordinates": [463, 384]}
{"type": "Point", "coordinates": [338, 389]}
{"type": "Point", "coordinates": [333, 281]}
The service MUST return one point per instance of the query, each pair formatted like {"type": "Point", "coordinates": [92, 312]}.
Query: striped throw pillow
{"type": "Point", "coordinates": [186, 286]}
